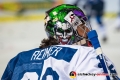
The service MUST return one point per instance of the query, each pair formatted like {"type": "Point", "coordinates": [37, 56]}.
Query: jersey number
{"type": "Point", "coordinates": [50, 74]}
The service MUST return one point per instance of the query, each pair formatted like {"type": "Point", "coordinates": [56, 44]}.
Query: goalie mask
{"type": "Point", "coordinates": [66, 23]}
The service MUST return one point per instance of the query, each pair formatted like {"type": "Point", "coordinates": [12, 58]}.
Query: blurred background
{"type": "Point", "coordinates": [22, 27]}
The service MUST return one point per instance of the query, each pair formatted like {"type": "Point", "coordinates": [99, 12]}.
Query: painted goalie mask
{"type": "Point", "coordinates": [66, 23]}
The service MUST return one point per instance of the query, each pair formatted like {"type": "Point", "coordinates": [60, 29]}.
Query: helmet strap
{"type": "Point", "coordinates": [83, 42]}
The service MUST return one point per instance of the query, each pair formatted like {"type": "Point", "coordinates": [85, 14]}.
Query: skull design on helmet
{"type": "Point", "coordinates": [63, 32]}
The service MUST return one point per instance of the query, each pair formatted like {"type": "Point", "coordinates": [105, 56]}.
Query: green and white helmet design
{"type": "Point", "coordinates": [61, 22]}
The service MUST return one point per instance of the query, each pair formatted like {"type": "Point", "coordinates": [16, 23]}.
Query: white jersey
{"type": "Point", "coordinates": [82, 62]}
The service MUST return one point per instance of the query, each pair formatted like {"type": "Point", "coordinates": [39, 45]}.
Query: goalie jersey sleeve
{"type": "Point", "coordinates": [54, 63]}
